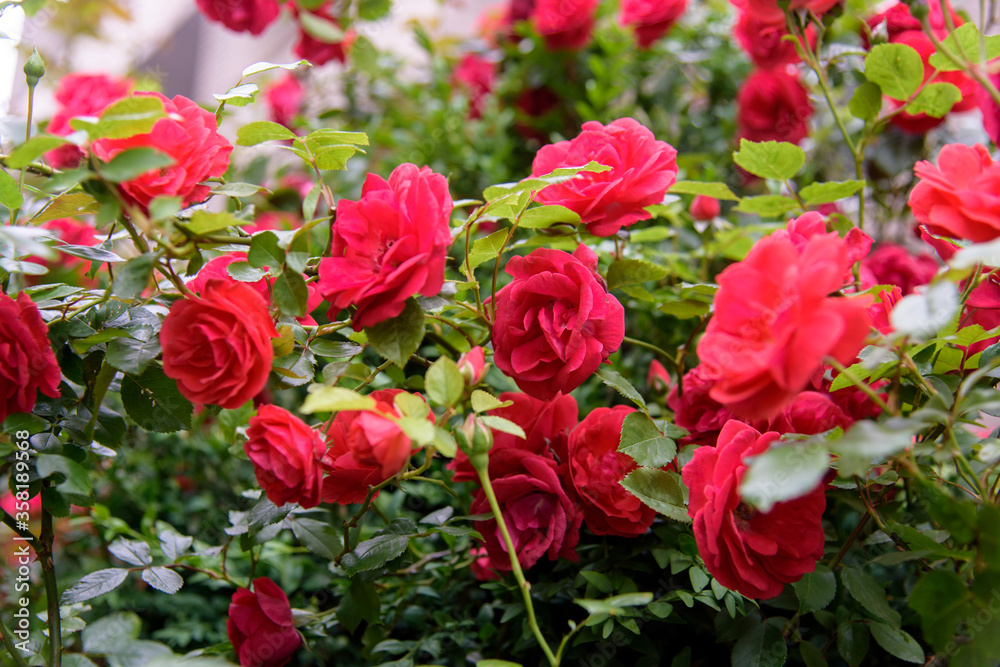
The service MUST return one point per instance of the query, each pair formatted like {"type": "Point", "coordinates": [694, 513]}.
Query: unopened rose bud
{"type": "Point", "coordinates": [705, 208]}
{"type": "Point", "coordinates": [473, 366]}
{"type": "Point", "coordinates": [34, 69]}
{"type": "Point", "coordinates": [476, 440]}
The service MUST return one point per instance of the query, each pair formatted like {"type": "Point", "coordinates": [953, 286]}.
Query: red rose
{"type": "Point", "coordinates": [768, 11]}
{"type": "Point", "coordinates": [651, 19]}
{"type": "Point", "coordinates": [773, 105]}
{"type": "Point", "coordinates": [27, 364]}
{"type": "Point", "coordinates": [190, 136]}
{"type": "Point", "coordinates": [960, 196]}
{"type": "Point", "coordinates": [218, 346]}
{"type": "Point", "coordinates": [695, 410]}
{"type": "Point", "coordinates": [596, 467]}
{"type": "Point", "coordinates": [991, 110]}
{"type": "Point", "coordinates": [752, 552]}
{"type": "Point", "coordinates": [67, 267]}
{"type": "Point", "coordinates": [275, 220]}
{"type": "Point", "coordinates": [546, 423]}
{"type": "Point", "coordinates": [261, 627]}
{"type": "Point", "coordinates": [218, 269]}
{"type": "Point", "coordinates": [536, 108]}
{"type": "Point", "coordinates": [705, 208]}
{"type": "Point", "coordinates": [922, 123]}
{"type": "Point", "coordinates": [81, 95]}
{"type": "Point", "coordinates": [555, 322]}
{"type": "Point", "coordinates": [476, 77]}
{"type": "Point", "coordinates": [285, 97]}
{"type": "Point", "coordinates": [658, 378]}
{"type": "Point", "coordinates": [389, 245]}
{"type": "Point", "coordinates": [565, 24]}
{"type": "Point", "coordinates": [642, 170]}
{"type": "Point", "coordinates": [880, 313]}
{"type": "Point", "coordinates": [774, 323]}
{"type": "Point", "coordinates": [892, 264]}
{"type": "Point", "coordinates": [317, 51]}
{"type": "Point", "coordinates": [811, 413]}
{"type": "Point", "coordinates": [251, 16]}
{"type": "Point", "coordinates": [764, 42]}
{"type": "Point", "coordinates": [285, 454]}
{"type": "Point", "coordinates": [365, 448]}
{"type": "Point", "coordinates": [539, 514]}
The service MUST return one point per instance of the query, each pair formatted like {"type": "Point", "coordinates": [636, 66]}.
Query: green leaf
{"type": "Point", "coordinates": [131, 355]}
{"type": "Point", "coordinates": [334, 349]}
{"type": "Point", "coordinates": [867, 591]}
{"type": "Point", "coordinates": [816, 590]}
{"type": "Point", "coordinates": [866, 103]}
{"type": "Point", "coordinates": [486, 248]}
{"type": "Point", "coordinates": [966, 38]}
{"type": "Point", "coordinates": [483, 401]}
{"type": "Point", "coordinates": [503, 425]}
{"type": "Point", "coordinates": [868, 443]}
{"type": "Point", "coordinates": [125, 118]}
{"type": "Point", "coordinates": [374, 553]}
{"type": "Point", "coordinates": [633, 271]}
{"type": "Point", "coordinates": [852, 640]}
{"type": "Point", "coordinates": [264, 66]}
{"type": "Point", "coordinates": [133, 276]}
{"type": "Point", "coordinates": [239, 96]}
{"type": "Point", "coordinates": [444, 382]}
{"type": "Point", "coordinates": [497, 663]}
{"type": "Point", "coordinates": [615, 380]}
{"type": "Point", "coordinates": [320, 28]}
{"type": "Point", "coordinates": [785, 472]}
{"type": "Point", "coordinates": [779, 160]}
{"type": "Point", "coordinates": [32, 149]}
{"type": "Point", "coordinates": [76, 486]}
{"type": "Point", "coordinates": [132, 552]}
{"type": "Point", "coordinates": [265, 251]}
{"type": "Point", "coordinates": [824, 193]}
{"type": "Point", "coordinates": [260, 131]}
{"type": "Point", "coordinates": [659, 489]}
{"type": "Point", "coordinates": [10, 193]}
{"type": "Point", "coordinates": [685, 309]}
{"type": "Point", "coordinates": [898, 643]}
{"type": "Point", "coordinates": [69, 205]}
{"type": "Point", "coordinates": [767, 206]}
{"type": "Point", "coordinates": [896, 68]}
{"type": "Point", "coordinates": [132, 163]}
{"type": "Point", "coordinates": [716, 190]}
{"type": "Point", "coordinates": [90, 253]}
{"type": "Point", "coordinates": [373, 10]}
{"type": "Point", "coordinates": [111, 633]}
{"type": "Point", "coordinates": [612, 605]}
{"type": "Point", "coordinates": [399, 338]}
{"type": "Point", "coordinates": [244, 273]}
{"type": "Point", "coordinates": [174, 544]}
{"type": "Point", "coordinates": [206, 222]}
{"type": "Point", "coordinates": [318, 536]}
{"type": "Point", "coordinates": [335, 399]}
{"type": "Point", "coordinates": [334, 158]}
{"type": "Point", "coordinates": [444, 443]}
{"type": "Point", "coordinates": [543, 217]}
{"type": "Point", "coordinates": [163, 579]}
{"type": "Point", "coordinates": [94, 584]}
{"type": "Point", "coordinates": [762, 646]}
{"type": "Point", "coordinates": [935, 100]}
{"type": "Point", "coordinates": [153, 401]}
{"type": "Point", "coordinates": [237, 190]}
{"type": "Point", "coordinates": [942, 601]}
{"type": "Point", "coordinates": [291, 294]}
{"type": "Point", "coordinates": [642, 441]}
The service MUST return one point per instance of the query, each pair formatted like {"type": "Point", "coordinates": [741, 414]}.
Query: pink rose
{"type": "Point", "coordinates": [285, 454]}
{"type": "Point", "coordinates": [652, 19]}
{"type": "Point", "coordinates": [775, 323]}
{"type": "Point", "coordinates": [27, 363]}
{"type": "Point", "coordinates": [768, 11]}
{"type": "Point", "coordinates": [565, 24]}
{"type": "Point", "coordinates": [705, 208]}
{"type": "Point", "coordinates": [642, 170]}
{"type": "Point", "coordinates": [810, 413]}
{"type": "Point", "coordinates": [880, 312]}
{"type": "Point", "coordinates": [285, 97]}
{"type": "Point", "coordinates": [389, 245]}
{"type": "Point", "coordinates": [218, 346]}
{"type": "Point", "coordinates": [81, 95]}
{"type": "Point", "coordinates": [990, 109]}
{"type": "Point", "coordinates": [959, 197]}
{"type": "Point", "coordinates": [555, 322]}
{"type": "Point", "coordinates": [892, 264]}
{"type": "Point", "coordinates": [764, 42]}
{"type": "Point", "coordinates": [472, 365]}
{"type": "Point", "coordinates": [749, 551]}
{"type": "Point", "coordinates": [251, 16]}
{"type": "Point", "coordinates": [773, 105]}
{"type": "Point", "coordinates": [190, 136]}
{"type": "Point", "coordinates": [476, 77]}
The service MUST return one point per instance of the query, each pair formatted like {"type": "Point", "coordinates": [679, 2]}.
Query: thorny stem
{"type": "Point", "coordinates": [484, 479]}
{"type": "Point", "coordinates": [51, 589]}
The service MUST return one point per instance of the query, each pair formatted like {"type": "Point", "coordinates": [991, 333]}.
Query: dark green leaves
{"type": "Point", "coordinates": [642, 441]}
{"type": "Point", "coordinates": [763, 646]}
{"type": "Point", "coordinates": [867, 591]}
{"type": "Point", "coordinates": [317, 536]}
{"type": "Point", "coordinates": [132, 163]}
{"type": "Point", "coordinates": [398, 338]}
{"type": "Point", "coordinates": [153, 401]}
{"type": "Point", "coordinates": [633, 271]}
{"type": "Point", "coordinates": [133, 276]}
{"type": "Point", "coordinates": [659, 489]}
{"type": "Point", "coordinates": [816, 590]}
{"type": "Point", "coordinates": [72, 480]}
{"type": "Point", "coordinates": [374, 553]}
